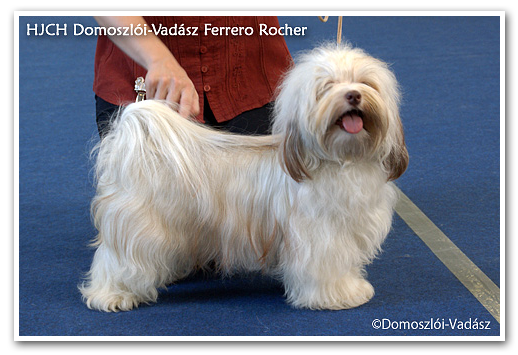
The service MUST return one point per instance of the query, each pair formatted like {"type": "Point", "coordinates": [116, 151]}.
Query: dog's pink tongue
{"type": "Point", "coordinates": [352, 123]}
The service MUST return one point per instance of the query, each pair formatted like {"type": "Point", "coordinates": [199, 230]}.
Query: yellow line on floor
{"type": "Point", "coordinates": [486, 292]}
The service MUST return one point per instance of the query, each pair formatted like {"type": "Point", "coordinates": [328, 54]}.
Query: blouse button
{"type": "Point", "coordinates": [206, 88]}
{"type": "Point", "coordinates": [204, 69]}
{"type": "Point", "coordinates": [203, 49]}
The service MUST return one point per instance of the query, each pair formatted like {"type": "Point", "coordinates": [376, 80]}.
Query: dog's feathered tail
{"type": "Point", "coordinates": [138, 141]}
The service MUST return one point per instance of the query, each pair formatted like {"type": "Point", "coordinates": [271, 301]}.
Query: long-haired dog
{"type": "Point", "coordinates": [311, 204]}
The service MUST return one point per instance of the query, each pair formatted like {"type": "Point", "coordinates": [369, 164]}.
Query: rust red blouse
{"type": "Point", "coordinates": [236, 73]}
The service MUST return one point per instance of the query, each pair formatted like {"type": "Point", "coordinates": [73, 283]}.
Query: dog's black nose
{"type": "Point", "coordinates": [353, 97]}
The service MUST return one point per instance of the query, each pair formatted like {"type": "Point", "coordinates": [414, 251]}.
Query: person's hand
{"type": "Point", "coordinates": [167, 80]}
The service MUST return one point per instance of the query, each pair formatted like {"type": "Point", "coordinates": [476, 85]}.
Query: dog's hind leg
{"type": "Point", "coordinates": [106, 288]}
{"type": "Point", "coordinates": [135, 256]}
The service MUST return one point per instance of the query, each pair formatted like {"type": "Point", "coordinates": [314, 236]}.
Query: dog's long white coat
{"type": "Point", "coordinates": [174, 196]}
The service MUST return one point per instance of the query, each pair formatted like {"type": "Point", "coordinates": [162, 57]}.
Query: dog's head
{"type": "Point", "coordinates": [339, 104]}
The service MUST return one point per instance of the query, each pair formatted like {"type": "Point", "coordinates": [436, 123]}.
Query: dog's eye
{"type": "Point", "coordinates": [323, 89]}
{"type": "Point", "coordinates": [328, 85]}
{"type": "Point", "coordinates": [369, 84]}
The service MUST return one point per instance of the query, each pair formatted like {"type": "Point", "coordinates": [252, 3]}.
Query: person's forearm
{"type": "Point", "coordinates": [165, 78]}
{"type": "Point", "coordinates": [145, 50]}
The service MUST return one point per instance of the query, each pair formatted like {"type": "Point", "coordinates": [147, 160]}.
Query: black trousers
{"type": "Point", "coordinates": [253, 122]}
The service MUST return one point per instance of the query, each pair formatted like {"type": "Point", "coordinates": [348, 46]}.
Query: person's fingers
{"type": "Point", "coordinates": [195, 110]}
{"type": "Point", "coordinates": [151, 86]}
{"type": "Point", "coordinates": [165, 82]}
{"type": "Point", "coordinates": [169, 91]}
{"type": "Point", "coordinates": [189, 103]}
{"type": "Point", "coordinates": [163, 86]}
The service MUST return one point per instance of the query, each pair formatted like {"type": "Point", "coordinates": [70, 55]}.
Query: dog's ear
{"type": "Point", "coordinates": [397, 160]}
{"type": "Point", "coordinates": [292, 153]}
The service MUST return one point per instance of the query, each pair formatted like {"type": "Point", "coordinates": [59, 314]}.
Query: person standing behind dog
{"type": "Point", "coordinates": [221, 79]}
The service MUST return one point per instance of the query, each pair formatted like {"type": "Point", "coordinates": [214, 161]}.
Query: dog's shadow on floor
{"type": "Point", "coordinates": [211, 288]}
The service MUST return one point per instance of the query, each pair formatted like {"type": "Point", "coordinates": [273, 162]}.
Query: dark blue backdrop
{"type": "Point", "coordinates": [449, 70]}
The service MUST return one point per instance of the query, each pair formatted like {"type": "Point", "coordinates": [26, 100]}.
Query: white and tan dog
{"type": "Point", "coordinates": [310, 204]}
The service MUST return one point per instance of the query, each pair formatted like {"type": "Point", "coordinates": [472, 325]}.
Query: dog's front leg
{"type": "Point", "coordinates": [324, 274]}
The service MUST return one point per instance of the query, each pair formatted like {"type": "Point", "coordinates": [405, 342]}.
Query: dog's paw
{"type": "Point", "coordinates": [358, 292]}
{"type": "Point", "coordinates": [110, 302]}
{"type": "Point", "coordinates": [348, 293]}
